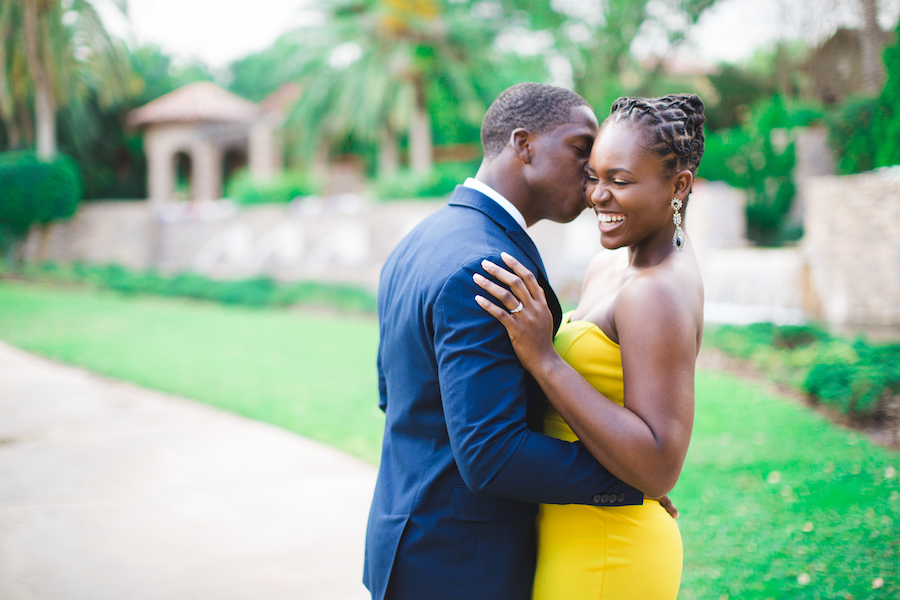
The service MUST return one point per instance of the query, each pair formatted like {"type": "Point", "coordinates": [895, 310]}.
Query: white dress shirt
{"type": "Point", "coordinates": [496, 197]}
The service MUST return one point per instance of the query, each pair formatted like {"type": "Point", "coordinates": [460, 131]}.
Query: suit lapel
{"type": "Point", "coordinates": [524, 241]}
{"type": "Point", "coordinates": [464, 196]}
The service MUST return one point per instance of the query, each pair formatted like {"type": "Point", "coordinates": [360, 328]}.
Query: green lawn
{"type": "Point", "coordinates": [776, 502]}
{"type": "Point", "coordinates": [308, 372]}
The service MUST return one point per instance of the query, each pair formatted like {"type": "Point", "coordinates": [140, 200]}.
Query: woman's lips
{"type": "Point", "coordinates": [609, 221]}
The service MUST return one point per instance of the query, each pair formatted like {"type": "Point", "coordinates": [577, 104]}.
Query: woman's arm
{"type": "Point", "coordinates": [645, 442]}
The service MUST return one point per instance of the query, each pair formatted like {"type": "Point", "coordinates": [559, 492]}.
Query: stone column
{"type": "Point", "coordinates": [160, 168]}
{"type": "Point", "coordinates": [206, 160]}
{"type": "Point", "coordinates": [262, 150]}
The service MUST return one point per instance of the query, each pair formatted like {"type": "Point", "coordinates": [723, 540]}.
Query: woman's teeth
{"type": "Point", "coordinates": [608, 218]}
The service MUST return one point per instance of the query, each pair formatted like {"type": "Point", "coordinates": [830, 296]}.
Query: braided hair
{"type": "Point", "coordinates": [536, 107]}
{"type": "Point", "coordinates": [673, 127]}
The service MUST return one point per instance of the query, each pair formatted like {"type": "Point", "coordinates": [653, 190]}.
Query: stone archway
{"type": "Point", "coordinates": [204, 122]}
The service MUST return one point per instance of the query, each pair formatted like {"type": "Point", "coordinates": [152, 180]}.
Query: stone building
{"type": "Point", "coordinates": [212, 131]}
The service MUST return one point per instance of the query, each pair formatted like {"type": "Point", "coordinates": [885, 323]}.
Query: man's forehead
{"type": "Point", "coordinates": [583, 122]}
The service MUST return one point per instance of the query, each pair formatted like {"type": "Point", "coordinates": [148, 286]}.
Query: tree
{"type": "Point", "coordinates": [375, 71]}
{"type": "Point", "coordinates": [67, 52]}
{"type": "Point", "coordinates": [888, 130]}
{"type": "Point", "coordinates": [596, 38]}
{"type": "Point", "coordinates": [870, 45]}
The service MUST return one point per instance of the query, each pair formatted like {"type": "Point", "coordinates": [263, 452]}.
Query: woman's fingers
{"type": "Point", "coordinates": [667, 504]}
{"type": "Point", "coordinates": [527, 277]}
{"type": "Point", "coordinates": [510, 279]}
{"type": "Point", "coordinates": [506, 298]}
{"type": "Point", "coordinates": [497, 312]}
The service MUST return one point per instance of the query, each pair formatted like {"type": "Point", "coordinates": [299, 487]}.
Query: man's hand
{"type": "Point", "coordinates": [666, 503]}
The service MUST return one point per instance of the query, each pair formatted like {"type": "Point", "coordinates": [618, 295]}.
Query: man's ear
{"type": "Point", "coordinates": [521, 141]}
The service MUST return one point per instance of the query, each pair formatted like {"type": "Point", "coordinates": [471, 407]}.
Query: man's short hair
{"type": "Point", "coordinates": [535, 107]}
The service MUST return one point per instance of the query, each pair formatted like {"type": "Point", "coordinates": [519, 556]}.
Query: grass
{"type": "Point", "coordinates": [776, 501]}
{"type": "Point", "coordinates": [307, 372]}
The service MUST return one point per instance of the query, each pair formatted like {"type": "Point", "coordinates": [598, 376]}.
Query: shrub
{"type": "Point", "coordinates": [851, 134]}
{"type": "Point", "coordinates": [759, 157]}
{"type": "Point", "coordinates": [859, 386]}
{"type": "Point", "coordinates": [32, 191]}
{"type": "Point", "coordinates": [257, 291]}
{"type": "Point", "coordinates": [863, 132]}
{"type": "Point", "coordinates": [887, 131]}
{"type": "Point", "coordinates": [858, 378]}
{"type": "Point", "coordinates": [280, 189]}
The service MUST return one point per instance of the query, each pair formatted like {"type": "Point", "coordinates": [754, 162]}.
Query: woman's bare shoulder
{"type": "Point", "coordinates": [664, 294]}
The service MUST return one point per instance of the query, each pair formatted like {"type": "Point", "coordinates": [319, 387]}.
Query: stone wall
{"type": "Point", "coordinates": [845, 271]}
{"type": "Point", "coordinates": [342, 239]}
{"type": "Point", "coordinates": [852, 246]}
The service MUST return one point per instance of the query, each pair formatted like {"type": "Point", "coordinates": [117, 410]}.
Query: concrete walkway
{"type": "Point", "coordinates": [110, 491]}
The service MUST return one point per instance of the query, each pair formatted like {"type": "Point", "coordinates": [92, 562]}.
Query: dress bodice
{"type": "Point", "coordinates": [596, 357]}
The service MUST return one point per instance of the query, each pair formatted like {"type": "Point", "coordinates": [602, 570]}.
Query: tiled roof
{"type": "Point", "coordinates": [201, 101]}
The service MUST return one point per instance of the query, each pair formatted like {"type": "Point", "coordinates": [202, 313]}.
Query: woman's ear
{"type": "Point", "coordinates": [521, 141]}
{"type": "Point", "coordinates": [683, 182]}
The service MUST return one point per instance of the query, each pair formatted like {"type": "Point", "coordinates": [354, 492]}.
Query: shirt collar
{"type": "Point", "coordinates": [496, 197]}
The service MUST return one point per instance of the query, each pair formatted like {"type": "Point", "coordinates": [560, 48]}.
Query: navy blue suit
{"type": "Point", "coordinates": [463, 463]}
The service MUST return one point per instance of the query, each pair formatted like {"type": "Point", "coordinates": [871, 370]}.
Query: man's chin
{"type": "Point", "coordinates": [576, 213]}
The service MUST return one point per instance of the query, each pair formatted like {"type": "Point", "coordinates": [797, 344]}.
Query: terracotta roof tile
{"type": "Point", "coordinates": [201, 101]}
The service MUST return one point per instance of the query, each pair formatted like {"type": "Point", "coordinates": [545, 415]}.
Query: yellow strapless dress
{"type": "Point", "coordinates": [591, 552]}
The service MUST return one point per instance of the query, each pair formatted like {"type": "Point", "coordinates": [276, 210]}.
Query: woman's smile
{"type": "Point", "coordinates": [609, 221]}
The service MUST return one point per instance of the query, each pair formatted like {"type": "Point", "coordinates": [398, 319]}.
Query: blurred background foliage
{"type": "Point", "coordinates": [401, 86]}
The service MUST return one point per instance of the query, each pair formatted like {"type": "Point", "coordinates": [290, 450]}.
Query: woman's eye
{"type": "Point", "coordinates": [619, 182]}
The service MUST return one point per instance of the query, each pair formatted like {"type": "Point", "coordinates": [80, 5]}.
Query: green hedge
{"type": "Point", "coordinates": [32, 191]}
{"type": "Point", "coordinates": [863, 133]}
{"type": "Point", "coordinates": [441, 181]}
{"type": "Point", "coordinates": [852, 136]}
{"type": "Point", "coordinates": [258, 291]}
{"type": "Point", "coordinates": [280, 189]}
{"type": "Point", "coordinates": [857, 377]}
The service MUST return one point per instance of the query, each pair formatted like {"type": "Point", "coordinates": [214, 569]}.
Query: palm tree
{"type": "Point", "coordinates": [871, 42]}
{"type": "Point", "coordinates": [14, 91]}
{"type": "Point", "coordinates": [372, 73]}
{"type": "Point", "coordinates": [67, 51]}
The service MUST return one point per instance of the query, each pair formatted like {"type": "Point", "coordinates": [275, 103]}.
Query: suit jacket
{"type": "Point", "coordinates": [463, 464]}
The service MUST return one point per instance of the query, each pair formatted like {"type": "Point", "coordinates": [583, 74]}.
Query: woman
{"type": "Point", "coordinates": [620, 374]}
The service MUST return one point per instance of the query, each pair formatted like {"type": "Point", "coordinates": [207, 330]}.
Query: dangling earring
{"type": "Point", "coordinates": [678, 238]}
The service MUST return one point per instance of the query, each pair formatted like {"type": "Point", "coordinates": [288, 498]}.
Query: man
{"type": "Point", "coordinates": [463, 464]}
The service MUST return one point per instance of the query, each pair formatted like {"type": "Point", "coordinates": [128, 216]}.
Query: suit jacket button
{"type": "Point", "coordinates": [621, 497]}
{"type": "Point", "coordinates": [604, 498]}
{"type": "Point", "coordinates": [596, 499]}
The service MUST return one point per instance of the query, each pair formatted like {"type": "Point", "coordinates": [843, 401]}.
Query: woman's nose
{"type": "Point", "coordinates": [597, 195]}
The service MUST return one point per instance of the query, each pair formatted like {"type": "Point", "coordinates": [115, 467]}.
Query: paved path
{"type": "Point", "coordinates": [110, 491]}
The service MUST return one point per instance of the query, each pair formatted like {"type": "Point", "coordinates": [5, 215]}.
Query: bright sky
{"type": "Point", "coordinates": [216, 32]}
{"type": "Point", "coordinates": [220, 31]}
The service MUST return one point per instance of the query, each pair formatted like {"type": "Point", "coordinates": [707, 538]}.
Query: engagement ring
{"type": "Point", "coordinates": [516, 309]}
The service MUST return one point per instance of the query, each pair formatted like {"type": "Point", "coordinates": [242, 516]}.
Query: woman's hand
{"type": "Point", "coordinates": [522, 310]}
{"type": "Point", "coordinates": [667, 504]}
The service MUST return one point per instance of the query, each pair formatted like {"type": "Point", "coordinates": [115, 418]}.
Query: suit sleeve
{"type": "Point", "coordinates": [483, 390]}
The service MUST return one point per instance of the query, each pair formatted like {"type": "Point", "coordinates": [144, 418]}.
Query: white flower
{"type": "Point", "coordinates": [877, 583]}
{"type": "Point", "coordinates": [803, 579]}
